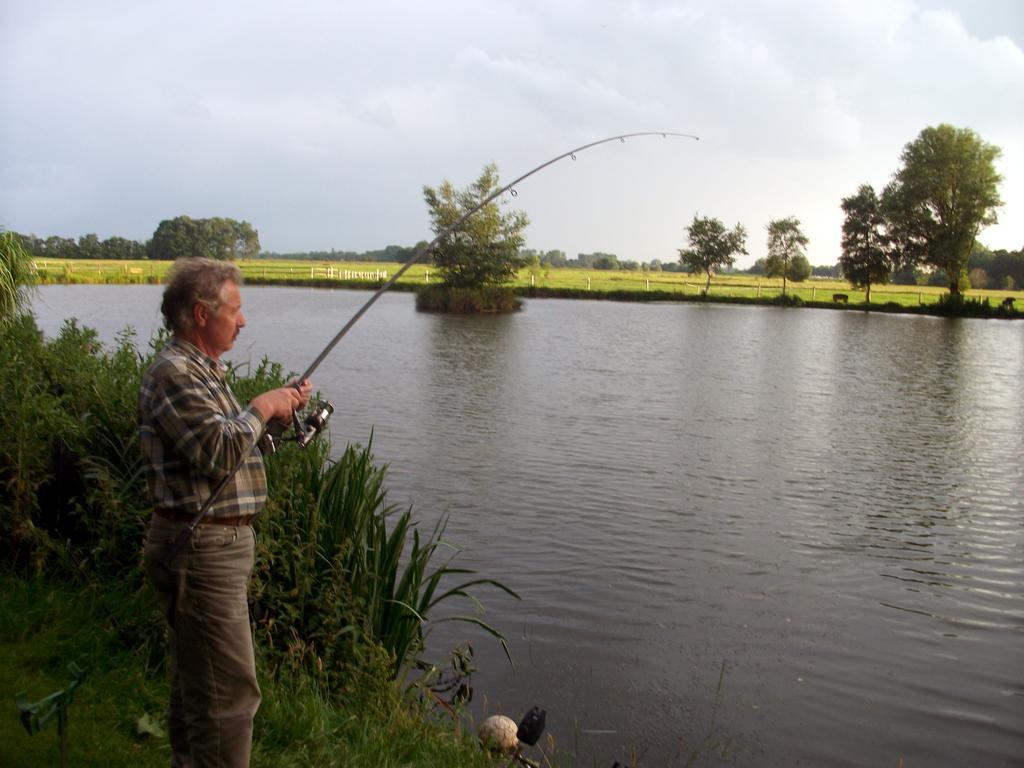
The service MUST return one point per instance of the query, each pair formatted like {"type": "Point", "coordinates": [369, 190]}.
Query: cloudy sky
{"type": "Point", "coordinates": [319, 122]}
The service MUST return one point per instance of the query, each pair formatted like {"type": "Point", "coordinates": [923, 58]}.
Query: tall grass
{"type": "Point", "coordinates": [347, 567]}
{"type": "Point", "coordinates": [16, 276]}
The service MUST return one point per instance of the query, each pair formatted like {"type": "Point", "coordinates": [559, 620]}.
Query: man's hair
{"type": "Point", "coordinates": [193, 281]}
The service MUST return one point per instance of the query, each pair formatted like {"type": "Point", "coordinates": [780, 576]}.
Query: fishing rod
{"type": "Point", "coordinates": [510, 187]}
{"type": "Point", "coordinates": [317, 419]}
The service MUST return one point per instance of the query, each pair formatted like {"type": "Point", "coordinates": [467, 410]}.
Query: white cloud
{"type": "Point", "coordinates": [321, 121]}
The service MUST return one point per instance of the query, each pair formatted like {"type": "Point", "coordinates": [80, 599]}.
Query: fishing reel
{"type": "Point", "coordinates": [303, 431]}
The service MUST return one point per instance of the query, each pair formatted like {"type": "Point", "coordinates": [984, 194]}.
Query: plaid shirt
{"type": "Point", "coordinates": [192, 431]}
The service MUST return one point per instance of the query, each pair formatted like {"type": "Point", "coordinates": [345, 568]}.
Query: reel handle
{"type": "Point", "coordinates": [303, 430]}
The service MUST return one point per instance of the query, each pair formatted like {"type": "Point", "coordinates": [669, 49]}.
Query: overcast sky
{"type": "Point", "coordinates": [319, 122]}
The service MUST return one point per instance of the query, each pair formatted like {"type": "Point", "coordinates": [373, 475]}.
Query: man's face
{"type": "Point", "coordinates": [218, 330]}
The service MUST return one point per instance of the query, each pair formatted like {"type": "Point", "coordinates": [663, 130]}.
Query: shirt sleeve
{"type": "Point", "coordinates": [189, 416]}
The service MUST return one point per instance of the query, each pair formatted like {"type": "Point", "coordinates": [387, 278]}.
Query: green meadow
{"type": "Point", "coordinates": [577, 283]}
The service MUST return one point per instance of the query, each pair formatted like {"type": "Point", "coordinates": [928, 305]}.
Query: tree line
{"type": "Point", "coordinates": [921, 229]}
{"type": "Point", "coordinates": [923, 226]}
{"type": "Point", "coordinates": [214, 238]}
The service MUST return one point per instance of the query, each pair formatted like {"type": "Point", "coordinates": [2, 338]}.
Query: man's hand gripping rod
{"type": "Point", "coordinates": [187, 532]}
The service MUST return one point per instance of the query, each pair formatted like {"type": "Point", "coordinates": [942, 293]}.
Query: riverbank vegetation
{"type": "Point", "coordinates": [344, 591]}
{"type": "Point", "coordinates": [921, 231]}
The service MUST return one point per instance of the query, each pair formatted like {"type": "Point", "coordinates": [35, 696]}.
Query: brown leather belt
{"type": "Point", "coordinates": [187, 517]}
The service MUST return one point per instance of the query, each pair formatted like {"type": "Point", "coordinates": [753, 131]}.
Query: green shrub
{"type": "Point", "coordinates": [957, 305]}
{"type": "Point", "coordinates": [787, 300]}
{"type": "Point", "coordinates": [30, 415]}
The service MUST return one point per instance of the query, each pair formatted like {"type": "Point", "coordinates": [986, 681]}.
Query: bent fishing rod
{"type": "Point", "coordinates": [317, 420]}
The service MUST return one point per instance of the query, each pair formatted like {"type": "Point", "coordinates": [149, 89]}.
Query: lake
{"type": "Point", "coordinates": [743, 536]}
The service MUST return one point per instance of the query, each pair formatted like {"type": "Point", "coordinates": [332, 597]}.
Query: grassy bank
{"type": "Point", "coordinates": [618, 285]}
{"type": "Point", "coordinates": [116, 717]}
{"type": "Point", "coordinates": [348, 583]}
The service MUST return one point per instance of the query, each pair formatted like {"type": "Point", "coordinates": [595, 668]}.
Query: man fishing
{"type": "Point", "coordinates": [195, 438]}
{"type": "Point", "coordinates": [207, 484]}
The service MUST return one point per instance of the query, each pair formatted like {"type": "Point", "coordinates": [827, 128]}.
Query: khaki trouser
{"type": "Point", "coordinates": [214, 694]}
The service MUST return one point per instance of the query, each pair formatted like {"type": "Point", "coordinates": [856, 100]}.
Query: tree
{"type": "Point", "coordinates": [606, 261]}
{"type": "Point", "coordinates": [174, 239]}
{"type": "Point", "coordinates": [945, 193]}
{"type": "Point", "coordinates": [759, 267]}
{"type": "Point", "coordinates": [15, 276]}
{"type": "Point", "coordinates": [61, 247]}
{"type": "Point", "coordinates": [217, 238]}
{"type": "Point", "coordinates": [483, 250]}
{"type": "Point", "coordinates": [978, 278]}
{"type": "Point", "coordinates": [533, 265]}
{"type": "Point", "coordinates": [785, 241]}
{"type": "Point", "coordinates": [122, 249]}
{"type": "Point", "coordinates": [89, 247]}
{"type": "Point", "coordinates": [834, 271]}
{"type": "Point", "coordinates": [245, 243]}
{"type": "Point", "coordinates": [711, 246]}
{"type": "Point", "coordinates": [866, 249]}
{"type": "Point", "coordinates": [554, 259]}
{"type": "Point", "coordinates": [799, 268]}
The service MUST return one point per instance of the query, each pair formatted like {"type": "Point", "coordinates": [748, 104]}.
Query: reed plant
{"type": "Point", "coordinates": [16, 276]}
{"type": "Point", "coordinates": [348, 576]}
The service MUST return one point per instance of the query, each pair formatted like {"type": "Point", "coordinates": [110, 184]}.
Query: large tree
{"type": "Point", "coordinates": [866, 249]}
{"type": "Point", "coordinates": [785, 241]}
{"type": "Point", "coordinates": [483, 250]}
{"type": "Point", "coordinates": [216, 238]}
{"type": "Point", "coordinates": [711, 246]}
{"type": "Point", "coordinates": [945, 193]}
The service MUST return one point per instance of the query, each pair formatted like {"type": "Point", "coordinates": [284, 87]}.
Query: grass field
{"type": "Point", "coordinates": [363, 275]}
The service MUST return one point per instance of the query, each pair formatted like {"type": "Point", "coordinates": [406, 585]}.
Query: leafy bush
{"type": "Point", "coordinates": [70, 473]}
{"type": "Point", "coordinates": [29, 414]}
